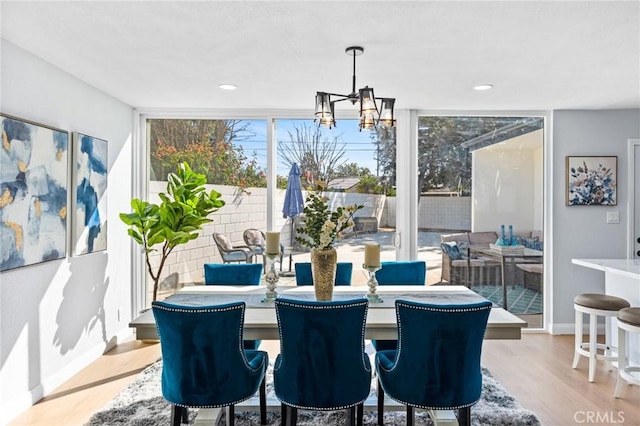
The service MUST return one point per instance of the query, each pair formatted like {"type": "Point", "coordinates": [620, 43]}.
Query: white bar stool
{"type": "Point", "coordinates": [594, 305]}
{"type": "Point", "coordinates": [628, 322]}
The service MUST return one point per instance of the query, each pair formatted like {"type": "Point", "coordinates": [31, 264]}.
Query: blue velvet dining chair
{"type": "Point", "coordinates": [344, 270]}
{"type": "Point", "coordinates": [410, 272]}
{"type": "Point", "coordinates": [322, 364]}
{"type": "Point", "coordinates": [203, 362]}
{"type": "Point", "coordinates": [437, 363]}
{"type": "Point", "coordinates": [234, 274]}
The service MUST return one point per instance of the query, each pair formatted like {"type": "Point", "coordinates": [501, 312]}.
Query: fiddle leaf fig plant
{"type": "Point", "coordinates": [176, 220]}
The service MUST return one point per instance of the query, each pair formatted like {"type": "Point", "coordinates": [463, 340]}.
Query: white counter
{"type": "Point", "coordinates": [624, 267]}
{"type": "Point", "coordinates": [622, 279]}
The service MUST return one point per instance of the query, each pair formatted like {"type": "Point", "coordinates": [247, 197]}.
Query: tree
{"type": "Point", "coordinates": [385, 140]}
{"type": "Point", "coordinates": [177, 220]}
{"type": "Point", "coordinates": [318, 156]}
{"type": "Point", "coordinates": [369, 185]}
{"type": "Point", "coordinates": [208, 145]}
{"type": "Point", "coordinates": [352, 170]}
{"type": "Point", "coordinates": [442, 162]}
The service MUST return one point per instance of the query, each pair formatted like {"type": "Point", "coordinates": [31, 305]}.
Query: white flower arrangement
{"type": "Point", "coordinates": [322, 226]}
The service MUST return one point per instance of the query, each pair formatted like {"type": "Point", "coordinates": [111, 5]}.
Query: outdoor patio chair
{"type": "Point", "coordinates": [231, 253]}
{"type": "Point", "coordinates": [256, 240]}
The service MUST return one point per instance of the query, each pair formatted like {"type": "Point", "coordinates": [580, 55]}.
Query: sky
{"type": "Point", "coordinates": [359, 149]}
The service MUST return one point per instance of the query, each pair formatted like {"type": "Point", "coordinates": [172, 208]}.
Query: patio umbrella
{"type": "Point", "coordinates": [293, 203]}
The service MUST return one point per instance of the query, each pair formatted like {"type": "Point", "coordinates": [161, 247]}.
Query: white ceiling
{"type": "Point", "coordinates": [428, 54]}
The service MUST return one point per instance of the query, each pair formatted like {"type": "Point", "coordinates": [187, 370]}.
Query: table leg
{"type": "Point", "coordinates": [504, 284]}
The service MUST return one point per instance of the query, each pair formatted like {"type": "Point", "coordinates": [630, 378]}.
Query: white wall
{"type": "Point", "coordinates": [58, 316]}
{"type": "Point", "coordinates": [505, 182]}
{"type": "Point", "coordinates": [582, 231]}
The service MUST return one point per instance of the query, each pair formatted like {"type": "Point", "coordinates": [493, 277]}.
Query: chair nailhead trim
{"type": "Point", "coordinates": [363, 302]}
{"type": "Point", "coordinates": [429, 407]}
{"type": "Point", "coordinates": [432, 309]}
{"type": "Point", "coordinates": [341, 407]}
{"type": "Point", "coordinates": [212, 406]}
{"type": "Point", "coordinates": [232, 307]}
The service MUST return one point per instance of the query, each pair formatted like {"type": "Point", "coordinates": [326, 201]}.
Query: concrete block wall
{"type": "Point", "coordinates": [450, 213]}
{"type": "Point", "coordinates": [241, 211]}
{"type": "Point", "coordinates": [446, 213]}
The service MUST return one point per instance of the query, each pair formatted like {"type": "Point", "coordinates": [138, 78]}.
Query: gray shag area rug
{"type": "Point", "coordinates": [141, 404]}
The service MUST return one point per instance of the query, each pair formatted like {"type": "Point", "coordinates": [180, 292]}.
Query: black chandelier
{"type": "Point", "coordinates": [370, 115]}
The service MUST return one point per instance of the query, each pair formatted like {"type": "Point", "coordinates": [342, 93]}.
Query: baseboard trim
{"type": "Point", "coordinates": [25, 400]}
{"type": "Point", "coordinates": [570, 328]}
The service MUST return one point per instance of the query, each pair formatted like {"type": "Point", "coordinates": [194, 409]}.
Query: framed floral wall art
{"type": "Point", "coordinates": [592, 180]}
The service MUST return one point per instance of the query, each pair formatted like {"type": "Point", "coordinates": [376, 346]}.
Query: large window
{"type": "Point", "coordinates": [475, 174]}
{"type": "Point", "coordinates": [228, 152]}
{"type": "Point", "coordinates": [355, 168]}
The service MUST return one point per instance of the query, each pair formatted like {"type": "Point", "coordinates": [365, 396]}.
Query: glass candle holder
{"type": "Point", "coordinates": [372, 296]}
{"type": "Point", "coordinates": [271, 277]}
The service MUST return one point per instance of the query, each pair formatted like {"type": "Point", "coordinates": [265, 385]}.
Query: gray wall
{"type": "Point", "coordinates": [582, 232]}
{"type": "Point", "coordinates": [58, 316]}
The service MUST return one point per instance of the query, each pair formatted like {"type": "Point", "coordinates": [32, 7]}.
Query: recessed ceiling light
{"type": "Point", "coordinates": [227, 86]}
{"type": "Point", "coordinates": [483, 87]}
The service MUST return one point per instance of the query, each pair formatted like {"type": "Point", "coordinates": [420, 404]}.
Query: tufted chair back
{"type": "Point", "coordinates": [232, 273]}
{"type": "Point", "coordinates": [437, 362]}
{"type": "Point", "coordinates": [322, 363]}
{"type": "Point", "coordinates": [203, 362]}
{"type": "Point", "coordinates": [411, 272]}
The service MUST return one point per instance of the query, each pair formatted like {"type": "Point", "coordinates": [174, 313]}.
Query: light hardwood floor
{"type": "Point", "coordinates": [536, 370]}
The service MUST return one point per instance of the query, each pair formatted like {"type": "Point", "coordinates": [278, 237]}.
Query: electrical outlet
{"type": "Point", "coordinates": [613, 217]}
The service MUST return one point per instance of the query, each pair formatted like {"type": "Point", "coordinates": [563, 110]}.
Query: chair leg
{"type": "Point", "coordinates": [464, 416]}
{"type": "Point", "coordinates": [622, 361]}
{"type": "Point", "coordinates": [578, 339]}
{"type": "Point", "coordinates": [352, 416]}
{"type": "Point", "coordinates": [231, 415]}
{"type": "Point", "coordinates": [283, 415]}
{"type": "Point", "coordinates": [292, 416]}
{"type": "Point", "coordinates": [380, 405]}
{"type": "Point", "coordinates": [410, 413]}
{"type": "Point", "coordinates": [263, 402]}
{"type": "Point", "coordinates": [593, 346]}
{"type": "Point", "coordinates": [360, 414]}
{"type": "Point", "coordinates": [176, 415]}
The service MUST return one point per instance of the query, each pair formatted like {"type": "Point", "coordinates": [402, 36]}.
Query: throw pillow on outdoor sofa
{"type": "Point", "coordinates": [455, 250]}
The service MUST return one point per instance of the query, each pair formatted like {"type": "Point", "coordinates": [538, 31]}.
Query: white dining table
{"type": "Point", "coordinates": [260, 323]}
{"type": "Point", "coordinates": [260, 318]}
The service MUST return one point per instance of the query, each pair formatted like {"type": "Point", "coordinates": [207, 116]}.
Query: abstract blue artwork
{"type": "Point", "coordinates": [90, 182]}
{"type": "Point", "coordinates": [34, 176]}
{"type": "Point", "coordinates": [591, 181]}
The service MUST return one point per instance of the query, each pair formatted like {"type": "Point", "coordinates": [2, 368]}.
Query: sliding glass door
{"type": "Point", "coordinates": [476, 176]}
